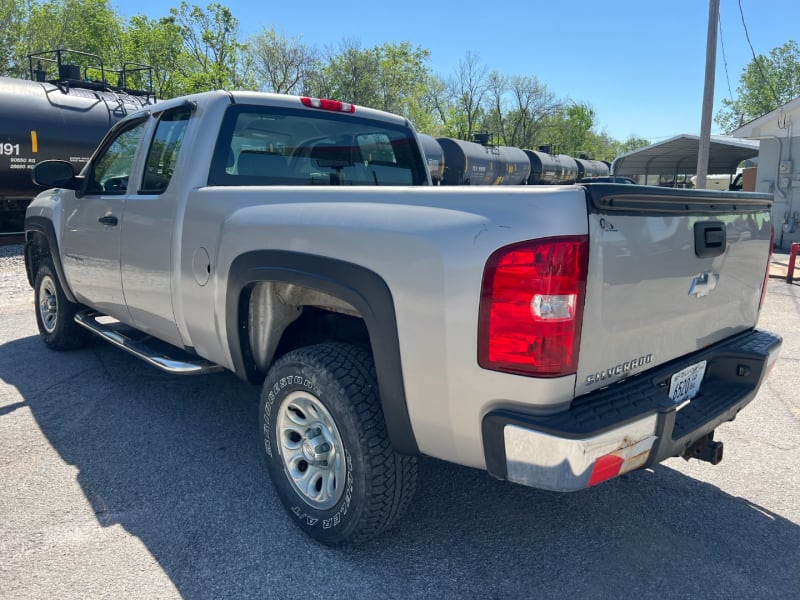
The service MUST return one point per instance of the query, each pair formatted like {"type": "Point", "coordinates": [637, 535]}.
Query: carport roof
{"type": "Point", "coordinates": [678, 155]}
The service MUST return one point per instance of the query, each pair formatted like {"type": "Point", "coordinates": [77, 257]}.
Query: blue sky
{"type": "Point", "coordinates": [639, 63]}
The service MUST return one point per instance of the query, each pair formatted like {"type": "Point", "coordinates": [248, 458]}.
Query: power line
{"type": "Point", "coordinates": [755, 60]}
{"type": "Point", "coordinates": [725, 60]}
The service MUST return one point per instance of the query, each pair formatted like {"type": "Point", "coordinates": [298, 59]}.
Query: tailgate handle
{"type": "Point", "coordinates": [709, 239]}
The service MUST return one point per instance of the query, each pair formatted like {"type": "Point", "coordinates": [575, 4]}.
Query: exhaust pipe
{"type": "Point", "coordinates": [705, 449]}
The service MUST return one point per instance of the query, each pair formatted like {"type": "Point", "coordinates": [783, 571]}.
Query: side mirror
{"type": "Point", "coordinates": [55, 173]}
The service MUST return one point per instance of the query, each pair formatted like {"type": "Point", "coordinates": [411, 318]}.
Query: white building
{"type": "Point", "coordinates": [779, 166]}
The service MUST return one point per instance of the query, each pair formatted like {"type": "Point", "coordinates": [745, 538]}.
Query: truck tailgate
{"type": "Point", "coordinates": [671, 272]}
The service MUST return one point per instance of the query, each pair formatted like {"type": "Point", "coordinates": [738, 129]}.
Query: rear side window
{"type": "Point", "coordinates": [164, 150]}
{"type": "Point", "coordinates": [282, 146]}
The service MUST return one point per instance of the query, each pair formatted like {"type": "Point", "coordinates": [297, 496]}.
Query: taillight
{"type": "Point", "coordinates": [766, 274]}
{"type": "Point", "coordinates": [531, 307]}
{"type": "Point", "coordinates": [326, 104]}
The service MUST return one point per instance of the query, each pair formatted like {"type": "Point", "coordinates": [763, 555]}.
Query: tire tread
{"type": "Point", "coordinates": [68, 335]}
{"type": "Point", "coordinates": [392, 477]}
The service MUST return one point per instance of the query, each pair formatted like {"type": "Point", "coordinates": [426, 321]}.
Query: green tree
{"type": "Point", "coordinates": [281, 65]}
{"type": "Point", "coordinates": [569, 129]}
{"type": "Point", "coordinates": [766, 83]}
{"type": "Point", "coordinates": [494, 123]}
{"type": "Point", "coordinates": [436, 100]}
{"type": "Point", "coordinates": [212, 57]}
{"type": "Point", "coordinates": [393, 77]}
{"type": "Point", "coordinates": [632, 143]}
{"type": "Point", "coordinates": [401, 78]}
{"type": "Point", "coordinates": [159, 44]}
{"type": "Point", "coordinates": [90, 26]}
{"type": "Point", "coordinates": [532, 104]}
{"type": "Point", "coordinates": [348, 73]}
{"type": "Point", "coordinates": [11, 23]}
{"type": "Point", "coordinates": [467, 89]}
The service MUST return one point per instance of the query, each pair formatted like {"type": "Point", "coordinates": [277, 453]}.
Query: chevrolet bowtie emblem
{"type": "Point", "coordinates": [703, 284]}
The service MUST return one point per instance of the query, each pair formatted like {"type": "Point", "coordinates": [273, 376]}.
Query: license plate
{"type": "Point", "coordinates": [686, 383]}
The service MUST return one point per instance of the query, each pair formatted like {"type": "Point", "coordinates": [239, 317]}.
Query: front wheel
{"type": "Point", "coordinates": [55, 315]}
{"type": "Point", "coordinates": [326, 445]}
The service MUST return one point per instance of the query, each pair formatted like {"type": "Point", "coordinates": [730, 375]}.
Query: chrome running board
{"type": "Point", "coordinates": [147, 348]}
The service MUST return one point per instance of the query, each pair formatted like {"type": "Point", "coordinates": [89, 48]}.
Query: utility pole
{"type": "Point", "coordinates": [708, 94]}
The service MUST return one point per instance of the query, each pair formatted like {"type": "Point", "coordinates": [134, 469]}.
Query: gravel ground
{"type": "Point", "coordinates": [13, 282]}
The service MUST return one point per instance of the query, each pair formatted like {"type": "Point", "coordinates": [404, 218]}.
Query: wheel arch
{"type": "Point", "coordinates": [41, 241]}
{"type": "Point", "coordinates": [354, 285]}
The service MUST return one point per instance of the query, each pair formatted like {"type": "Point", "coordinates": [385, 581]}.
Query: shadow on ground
{"type": "Point", "coordinates": [175, 461]}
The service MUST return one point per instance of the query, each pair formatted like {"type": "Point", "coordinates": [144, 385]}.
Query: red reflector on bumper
{"type": "Point", "coordinates": [605, 468]}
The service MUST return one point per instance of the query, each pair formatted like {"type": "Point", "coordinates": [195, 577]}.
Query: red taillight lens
{"type": "Point", "coordinates": [532, 306]}
{"type": "Point", "coordinates": [769, 262]}
{"type": "Point", "coordinates": [326, 104]}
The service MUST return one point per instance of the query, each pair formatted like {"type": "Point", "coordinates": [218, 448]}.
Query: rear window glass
{"type": "Point", "coordinates": [281, 146]}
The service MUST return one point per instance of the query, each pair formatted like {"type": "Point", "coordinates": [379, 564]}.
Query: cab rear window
{"type": "Point", "coordinates": [283, 146]}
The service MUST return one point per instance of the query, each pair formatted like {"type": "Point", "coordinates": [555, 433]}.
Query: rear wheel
{"type": "Point", "coordinates": [326, 445]}
{"type": "Point", "coordinates": [55, 315]}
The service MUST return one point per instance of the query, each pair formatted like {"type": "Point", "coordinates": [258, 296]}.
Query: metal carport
{"type": "Point", "coordinates": [678, 156]}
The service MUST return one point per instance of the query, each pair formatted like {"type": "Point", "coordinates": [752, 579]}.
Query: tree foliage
{"type": "Point", "coordinates": [88, 26]}
{"type": "Point", "coordinates": [348, 73]}
{"type": "Point", "coordinates": [160, 45]}
{"type": "Point", "coordinates": [402, 76]}
{"type": "Point", "coordinates": [467, 88]}
{"type": "Point", "coordinates": [570, 128]}
{"type": "Point", "coordinates": [11, 24]}
{"type": "Point", "coordinates": [632, 143]}
{"type": "Point", "coordinates": [532, 104]}
{"type": "Point", "coordinates": [193, 49]}
{"type": "Point", "coordinates": [281, 64]}
{"type": "Point", "coordinates": [767, 82]}
{"type": "Point", "coordinates": [212, 57]}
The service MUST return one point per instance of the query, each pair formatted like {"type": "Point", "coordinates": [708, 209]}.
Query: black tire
{"type": "Point", "coordinates": [323, 431]}
{"type": "Point", "coordinates": [55, 315]}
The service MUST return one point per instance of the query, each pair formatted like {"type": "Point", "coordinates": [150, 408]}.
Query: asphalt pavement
{"type": "Point", "coordinates": [118, 481]}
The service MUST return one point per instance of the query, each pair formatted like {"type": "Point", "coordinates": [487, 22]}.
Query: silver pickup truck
{"type": "Point", "coordinates": [554, 336]}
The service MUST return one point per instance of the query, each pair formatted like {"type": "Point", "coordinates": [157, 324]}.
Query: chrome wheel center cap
{"type": "Point", "coordinates": [315, 448]}
{"type": "Point", "coordinates": [308, 451]}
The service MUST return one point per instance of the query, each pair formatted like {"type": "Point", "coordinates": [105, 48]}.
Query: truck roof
{"type": "Point", "coordinates": [269, 99]}
{"type": "Point", "coordinates": [246, 97]}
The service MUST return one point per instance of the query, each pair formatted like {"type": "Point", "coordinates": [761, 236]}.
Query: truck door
{"type": "Point", "coordinates": [148, 231]}
{"type": "Point", "coordinates": [92, 220]}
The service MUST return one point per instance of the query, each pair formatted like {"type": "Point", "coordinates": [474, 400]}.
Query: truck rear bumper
{"type": "Point", "coordinates": [628, 425]}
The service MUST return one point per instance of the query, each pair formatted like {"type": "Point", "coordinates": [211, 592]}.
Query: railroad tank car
{"type": "Point", "coordinates": [551, 169]}
{"type": "Point", "coordinates": [63, 119]}
{"type": "Point", "coordinates": [434, 156]}
{"type": "Point", "coordinates": [515, 168]}
{"type": "Point", "coordinates": [591, 168]}
{"type": "Point", "coordinates": [470, 163]}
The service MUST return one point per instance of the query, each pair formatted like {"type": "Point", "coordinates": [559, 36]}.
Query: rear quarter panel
{"type": "Point", "coordinates": [429, 245]}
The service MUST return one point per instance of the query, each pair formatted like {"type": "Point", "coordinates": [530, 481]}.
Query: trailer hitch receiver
{"type": "Point", "coordinates": [705, 449]}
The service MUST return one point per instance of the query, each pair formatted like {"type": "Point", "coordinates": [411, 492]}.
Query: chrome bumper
{"type": "Point", "coordinates": [629, 425]}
